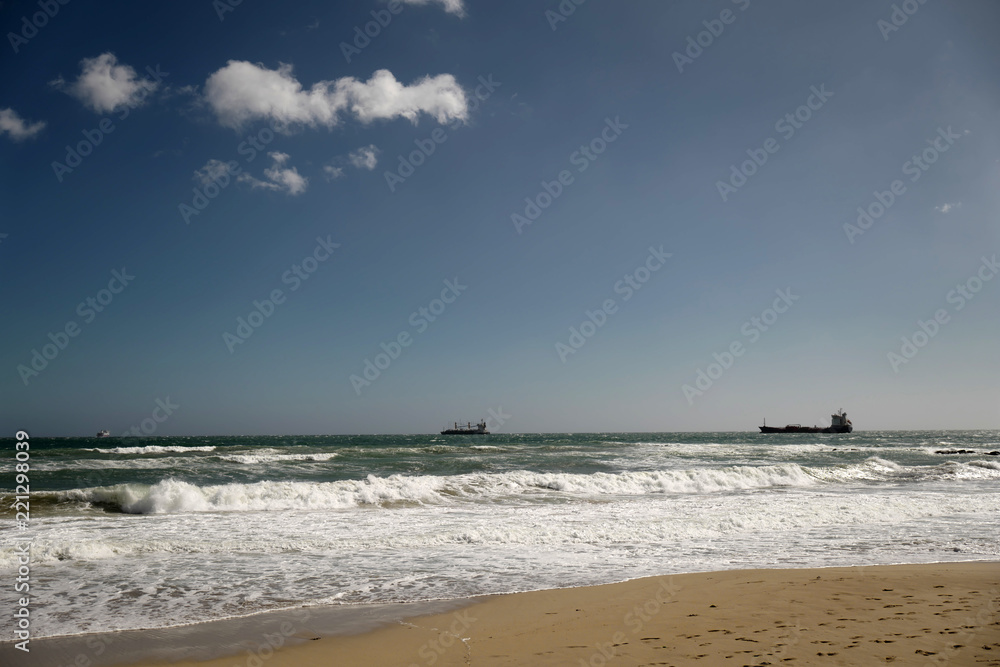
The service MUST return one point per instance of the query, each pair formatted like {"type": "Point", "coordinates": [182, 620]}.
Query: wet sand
{"type": "Point", "coordinates": [936, 614]}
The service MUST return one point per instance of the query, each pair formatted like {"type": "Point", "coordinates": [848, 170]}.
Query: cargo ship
{"type": "Point", "coordinates": [468, 429]}
{"type": "Point", "coordinates": [839, 423]}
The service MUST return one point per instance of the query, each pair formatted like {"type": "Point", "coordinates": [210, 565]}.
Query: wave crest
{"type": "Point", "coordinates": [151, 449]}
{"type": "Point", "coordinates": [173, 495]}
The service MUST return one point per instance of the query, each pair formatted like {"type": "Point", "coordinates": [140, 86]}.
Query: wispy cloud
{"type": "Point", "coordinates": [456, 7]}
{"type": "Point", "coordinates": [16, 127]}
{"type": "Point", "coordinates": [280, 179]}
{"type": "Point", "coordinates": [948, 207]}
{"type": "Point", "coordinates": [365, 157]}
{"type": "Point", "coordinates": [242, 92]}
{"type": "Point", "coordinates": [104, 85]}
{"type": "Point", "coordinates": [212, 171]}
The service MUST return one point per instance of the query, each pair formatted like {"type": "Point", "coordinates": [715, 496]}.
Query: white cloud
{"type": "Point", "coordinates": [14, 125]}
{"type": "Point", "coordinates": [212, 171]}
{"type": "Point", "coordinates": [365, 157]}
{"type": "Point", "coordinates": [104, 85]}
{"type": "Point", "coordinates": [948, 207]}
{"type": "Point", "coordinates": [242, 92]}
{"type": "Point", "coordinates": [281, 180]}
{"type": "Point", "coordinates": [456, 7]}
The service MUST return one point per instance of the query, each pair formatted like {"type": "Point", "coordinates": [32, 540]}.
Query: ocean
{"type": "Point", "coordinates": [162, 531]}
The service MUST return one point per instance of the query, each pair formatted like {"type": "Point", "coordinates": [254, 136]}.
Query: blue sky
{"type": "Point", "coordinates": [654, 137]}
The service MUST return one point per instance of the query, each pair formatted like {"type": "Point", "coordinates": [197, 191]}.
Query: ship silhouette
{"type": "Point", "coordinates": [839, 423]}
{"type": "Point", "coordinates": [468, 429]}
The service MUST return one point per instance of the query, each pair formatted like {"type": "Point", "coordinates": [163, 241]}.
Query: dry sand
{"type": "Point", "coordinates": [937, 614]}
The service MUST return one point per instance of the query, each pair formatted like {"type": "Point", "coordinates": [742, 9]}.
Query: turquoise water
{"type": "Point", "coordinates": [139, 532]}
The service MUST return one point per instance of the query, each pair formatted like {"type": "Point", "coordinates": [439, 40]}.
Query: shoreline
{"type": "Point", "coordinates": [224, 638]}
{"type": "Point", "coordinates": [913, 614]}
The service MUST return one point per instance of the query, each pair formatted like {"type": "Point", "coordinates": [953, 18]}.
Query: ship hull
{"type": "Point", "coordinates": [805, 429]}
{"type": "Point", "coordinates": [463, 431]}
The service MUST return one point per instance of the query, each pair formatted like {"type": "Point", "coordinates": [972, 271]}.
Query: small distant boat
{"type": "Point", "coordinates": [839, 423]}
{"type": "Point", "coordinates": [468, 429]}
{"type": "Point", "coordinates": [104, 434]}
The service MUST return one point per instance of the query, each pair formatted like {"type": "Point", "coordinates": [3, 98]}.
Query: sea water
{"type": "Point", "coordinates": [155, 532]}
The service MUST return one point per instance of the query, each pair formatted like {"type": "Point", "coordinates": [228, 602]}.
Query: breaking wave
{"type": "Point", "coordinates": [152, 449]}
{"type": "Point", "coordinates": [173, 495]}
{"type": "Point", "coordinates": [273, 456]}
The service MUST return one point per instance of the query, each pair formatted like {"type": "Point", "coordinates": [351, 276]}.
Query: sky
{"type": "Point", "coordinates": [577, 216]}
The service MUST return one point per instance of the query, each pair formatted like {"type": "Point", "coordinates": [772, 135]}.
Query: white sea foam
{"type": "Point", "coordinates": [152, 449]}
{"type": "Point", "coordinates": [184, 550]}
{"type": "Point", "coordinates": [172, 495]}
{"type": "Point", "coordinates": [166, 569]}
{"type": "Point", "coordinates": [274, 456]}
{"type": "Point", "coordinates": [134, 463]}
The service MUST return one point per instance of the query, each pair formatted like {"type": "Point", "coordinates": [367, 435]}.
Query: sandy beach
{"type": "Point", "coordinates": [932, 614]}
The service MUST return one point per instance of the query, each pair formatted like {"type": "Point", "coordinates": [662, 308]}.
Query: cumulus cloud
{"type": "Point", "coordinates": [456, 7]}
{"type": "Point", "coordinates": [332, 173]}
{"type": "Point", "coordinates": [242, 92]}
{"type": "Point", "coordinates": [365, 157]}
{"type": "Point", "coordinates": [16, 127]}
{"type": "Point", "coordinates": [104, 85]}
{"type": "Point", "coordinates": [278, 178]}
{"type": "Point", "coordinates": [948, 207]}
